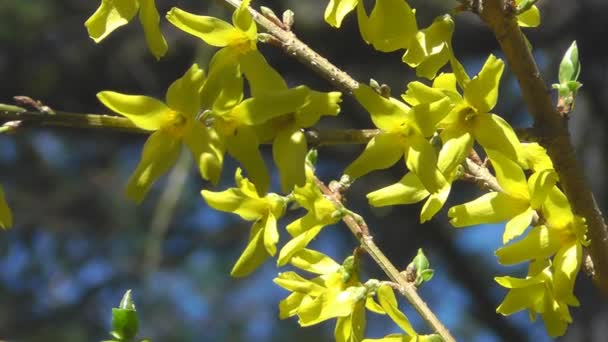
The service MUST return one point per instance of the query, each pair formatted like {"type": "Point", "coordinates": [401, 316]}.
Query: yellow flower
{"type": "Point", "coordinates": [518, 202]}
{"type": "Point", "coordinates": [240, 36]}
{"type": "Point", "coordinates": [6, 217]}
{"type": "Point", "coordinates": [405, 133]}
{"type": "Point", "coordinates": [113, 14]}
{"type": "Point", "coordinates": [264, 211]}
{"type": "Point", "coordinates": [430, 49]}
{"type": "Point", "coordinates": [173, 123]}
{"type": "Point", "coordinates": [335, 293]}
{"type": "Point", "coordinates": [537, 293]}
{"type": "Point", "coordinates": [411, 190]}
{"type": "Point", "coordinates": [289, 145]}
{"type": "Point", "coordinates": [321, 213]}
{"type": "Point", "coordinates": [236, 119]}
{"type": "Point", "coordinates": [470, 119]}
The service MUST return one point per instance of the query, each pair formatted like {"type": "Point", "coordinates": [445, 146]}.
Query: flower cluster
{"type": "Point", "coordinates": [433, 127]}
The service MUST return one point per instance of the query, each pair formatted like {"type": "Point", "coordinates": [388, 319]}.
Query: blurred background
{"type": "Point", "coordinates": [78, 244]}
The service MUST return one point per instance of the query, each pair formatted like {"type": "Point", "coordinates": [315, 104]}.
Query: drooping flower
{"type": "Point", "coordinates": [470, 119]}
{"type": "Point", "coordinates": [430, 49]}
{"type": "Point", "coordinates": [321, 212]}
{"type": "Point", "coordinates": [405, 133]}
{"type": "Point", "coordinates": [537, 293]}
{"type": "Point", "coordinates": [240, 37]}
{"type": "Point", "coordinates": [172, 123]}
{"type": "Point", "coordinates": [6, 217]}
{"type": "Point", "coordinates": [335, 293]}
{"type": "Point", "coordinates": [236, 118]}
{"type": "Point", "coordinates": [551, 290]}
{"type": "Point", "coordinates": [244, 201]}
{"type": "Point", "coordinates": [289, 144]}
{"type": "Point", "coordinates": [392, 26]}
{"type": "Point", "coordinates": [518, 202]}
{"type": "Point", "coordinates": [113, 14]}
{"type": "Point", "coordinates": [411, 190]}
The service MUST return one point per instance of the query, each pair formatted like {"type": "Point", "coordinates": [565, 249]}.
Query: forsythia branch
{"type": "Point", "coordinates": [407, 289]}
{"type": "Point", "coordinates": [551, 130]}
{"type": "Point", "coordinates": [14, 117]}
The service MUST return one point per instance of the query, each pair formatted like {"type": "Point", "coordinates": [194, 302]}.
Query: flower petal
{"type": "Point", "coordinates": [518, 225]}
{"type": "Point", "coordinates": [540, 243]}
{"type": "Point", "coordinates": [427, 115]}
{"type": "Point", "coordinates": [289, 152]}
{"type": "Point", "coordinates": [238, 201]}
{"type": "Point", "coordinates": [297, 244]}
{"type": "Point", "coordinates": [6, 217]}
{"type": "Point", "coordinates": [390, 26]}
{"type": "Point", "coordinates": [494, 133]}
{"type": "Point", "coordinates": [456, 146]}
{"type": "Point", "coordinates": [421, 159]}
{"type": "Point", "coordinates": [262, 77]}
{"type": "Point", "coordinates": [243, 146]}
{"type": "Point", "coordinates": [291, 281]}
{"type": "Point", "coordinates": [242, 19]}
{"type": "Point", "coordinates": [429, 50]}
{"type": "Point", "coordinates": [183, 94]}
{"type": "Point", "coordinates": [145, 112]}
{"type": "Point", "coordinates": [540, 183]}
{"type": "Point", "coordinates": [330, 304]}
{"type": "Point", "coordinates": [336, 10]}
{"type": "Point", "coordinates": [556, 209]}
{"type": "Point", "coordinates": [520, 299]}
{"type": "Point", "coordinates": [387, 114]}
{"type": "Point", "coordinates": [383, 151]}
{"type": "Point", "coordinates": [315, 262]}
{"type": "Point", "coordinates": [257, 110]}
{"type": "Point", "coordinates": [148, 15]}
{"type": "Point", "coordinates": [289, 306]}
{"type": "Point", "coordinates": [492, 207]}
{"type": "Point", "coordinates": [110, 15]}
{"type": "Point", "coordinates": [318, 104]}
{"type": "Point", "coordinates": [254, 254]}
{"type": "Point", "coordinates": [159, 154]}
{"type": "Point", "coordinates": [418, 92]}
{"type": "Point", "coordinates": [510, 176]}
{"type": "Point", "coordinates": [271, 234]}
{"type": "Point", "coordinates": [482, 90]}
{"type": "Point", "coordinates": [530, 18]}
{"type": "Point", "coordinates": [387, 300]}
{"type": "Point", "coordinates": [566, 263]}
{"type": "Point", "coordinates": [408, 190]}
{"type": "Point", "coordinates": [212, 30]}
{"type": "Point", "coordinates": [434, 203]}
{"type": "Point", "coordinates": [207, 150]}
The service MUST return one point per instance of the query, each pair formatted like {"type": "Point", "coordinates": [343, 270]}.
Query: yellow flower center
{"type": "Point", "coordinates": [175, 124]}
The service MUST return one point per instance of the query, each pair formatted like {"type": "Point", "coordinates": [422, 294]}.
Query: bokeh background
{"type": "Point", "coordinates": [78, 244]}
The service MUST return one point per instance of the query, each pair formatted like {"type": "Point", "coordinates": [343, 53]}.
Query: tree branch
{"type": "Point", "coordinates": [550, 128]}
{"type": "Point", "coordinates": [359, 228]}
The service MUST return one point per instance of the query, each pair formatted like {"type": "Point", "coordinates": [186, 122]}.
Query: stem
{"type": "Point", "coordinates": [302, 52]}
{"type": "Point", "coordinates": [314, 136]}
{"type": "Point", "coordinates": [551, 130]}
{"type": "Point", "coordinates": [407, 289]}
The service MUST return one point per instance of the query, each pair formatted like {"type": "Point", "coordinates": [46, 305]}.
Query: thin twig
{"type": "Point", "coordinates": [407, 289]}
{"type": "Point", "coordinates": [551, 129]}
